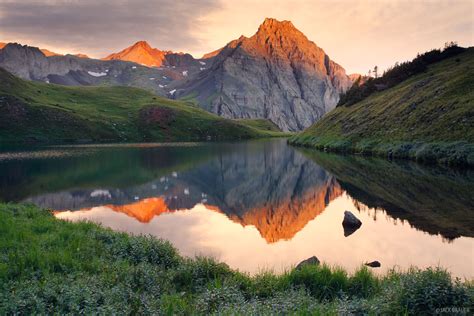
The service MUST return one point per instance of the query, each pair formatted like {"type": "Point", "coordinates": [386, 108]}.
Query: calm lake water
{"type": "Point", "coordinates": [256, 205]}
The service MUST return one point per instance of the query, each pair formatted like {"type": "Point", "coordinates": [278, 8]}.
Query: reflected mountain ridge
{"type": "Point", "coordinates": [264, 184]}
{"type": "Point", "coordinates": [259, 204]}
{"type": "Point", "coordinates": [431, 199]}
{"type": "Point", "coordinates": [276, 190]}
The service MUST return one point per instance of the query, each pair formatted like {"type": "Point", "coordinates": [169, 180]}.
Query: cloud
{"type": "Point", "coordinates": [356, 34]}
{"type": "Point", "coordinates": [99, 27]}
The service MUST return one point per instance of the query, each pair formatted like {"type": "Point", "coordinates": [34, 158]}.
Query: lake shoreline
{"type": "Point", "coordinates": [59, 266]}
{"type": "Point", "coordinates": [454, 154]}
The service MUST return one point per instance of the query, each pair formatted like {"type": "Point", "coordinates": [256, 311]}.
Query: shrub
{"type": "Point", "coordinates": [320, 281]}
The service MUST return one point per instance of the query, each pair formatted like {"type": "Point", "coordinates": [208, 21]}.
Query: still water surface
{"type": "Point", "coordinates": [256, 205]}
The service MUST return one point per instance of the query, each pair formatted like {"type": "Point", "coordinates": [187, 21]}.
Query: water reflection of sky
{"type": "Point", "coordinates": [267, 205]}
{"type": "Point", "coordinates": [202, 231]}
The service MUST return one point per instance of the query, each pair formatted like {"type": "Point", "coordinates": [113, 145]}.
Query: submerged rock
{"type": "Point", "coordinates": [350, 223]}
{"type": "Point", "coordinates": [310, 261]}
{"type": "Point", "coordinates": [373, 264]}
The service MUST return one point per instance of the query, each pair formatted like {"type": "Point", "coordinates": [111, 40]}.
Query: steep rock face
{"type": "Point", "coordinates": [276, 74]}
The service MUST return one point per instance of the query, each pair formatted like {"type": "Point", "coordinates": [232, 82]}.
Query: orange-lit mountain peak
{"type": "Point", "coordinates": [142, 53]}
{"type": "Point", "coordinates": [143, 44]}
{"type": "Point", "coordinates": [283, 220]}
{"type": "Point", "coordinates": [273, 24]}
{"type": "Point", "coordinates": [81, 55]}
{"type": "Point", "coordinates": [49, 53]}
{"type": "Point", "coordinates": [143, 210]}
{"type": "Point", "coordinates": [2, 45]}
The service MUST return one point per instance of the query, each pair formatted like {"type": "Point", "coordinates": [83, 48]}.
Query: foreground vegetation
{"type": "Point", "coordinates": [48, 266]}
{"type": "Point", "coordinates": [396, 74]}
{"type": "Point", "coordinates": [428, 117]}
{"type": "Point", "coordinates": [40, 112]}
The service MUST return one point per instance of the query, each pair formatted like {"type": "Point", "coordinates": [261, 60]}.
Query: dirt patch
{"type": "Point", "coordinates": [156, 115]}
{"type": "Point", "coordinates": [12, 109]}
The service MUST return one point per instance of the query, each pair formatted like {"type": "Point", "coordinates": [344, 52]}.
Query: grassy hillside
{"type": "Point", "coordinates": [429, 117]}
{"type": "Point", "coordinates": [33, 111]}
{"type": "Point", "coordinates": [50, 266]}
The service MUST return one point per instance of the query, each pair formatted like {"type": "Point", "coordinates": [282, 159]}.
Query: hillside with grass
{"type": "Point", "coordinates": [40, 112]}
{"type": "Point", "coordinates": [428, 117]}
{"type": "Point", "coordinates": [49, 266]}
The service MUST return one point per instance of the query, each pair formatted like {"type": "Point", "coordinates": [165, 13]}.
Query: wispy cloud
{"type": "Point", "coordinates": [100, 27]}
{"type": "Point", "coordinates": [358, 34]}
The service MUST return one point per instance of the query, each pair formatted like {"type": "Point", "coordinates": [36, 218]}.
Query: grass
{"type": "Point", "coordinates": [48, 266]}
{"type": "Point", "coordinates": [40, 112]}
{"type": "Point", "coordinates": [428, 118]}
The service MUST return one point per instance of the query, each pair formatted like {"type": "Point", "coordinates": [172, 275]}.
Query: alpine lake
{"type": "Point", "coordinates": [256, 205]}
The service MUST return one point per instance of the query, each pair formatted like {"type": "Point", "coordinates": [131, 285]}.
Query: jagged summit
{"type": "Point", "coordinates": [277, 74]}
{"type": "Point", "coordinates": [271, 24]}
{"type": "Point", "coordinates": [142, 53]}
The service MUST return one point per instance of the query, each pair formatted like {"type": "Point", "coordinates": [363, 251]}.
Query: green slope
{"type": "Point", "coordinates": [33, 111]}
{"type": "Point", "coordinates": [48, 266]}
{"type": "Point", "coordinates": [429, 117]}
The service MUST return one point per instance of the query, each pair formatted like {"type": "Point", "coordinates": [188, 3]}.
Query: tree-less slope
{"type": "Point", "coordinates": [39, 112]}
{"type": "Point", "coordinates": [429, 117]}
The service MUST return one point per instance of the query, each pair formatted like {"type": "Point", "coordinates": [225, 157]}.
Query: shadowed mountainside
{"type": "Point", "coordinates": [435, 200]}
{"type": "Point", "coordinates": [39, 112]}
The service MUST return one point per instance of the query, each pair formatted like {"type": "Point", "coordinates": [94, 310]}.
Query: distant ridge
{"type": "Point", "coordinates": [141, 53]}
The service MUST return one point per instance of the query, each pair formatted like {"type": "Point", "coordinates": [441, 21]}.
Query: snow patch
{"type": "Point", "coordinates": [202, 63]}
{"type": "Point", "coordinates": [185, 73]}
{"type": "Point", "coordinates": [152, 78]}
{"type": "Point", "coordinates": [161, 86]}
{"type": "Point", "coordinates": [97, 74]}
{"type": "Point", "coordinates": [202, 68]}
{"type": "Point", "coordinates": [172, 91]}
{"type": "Point", "coordinates": [101, 193]}
{"type": "Point", "coordinates": [134, 67]}
{"type": "Point", "coordinates": [164, 77]}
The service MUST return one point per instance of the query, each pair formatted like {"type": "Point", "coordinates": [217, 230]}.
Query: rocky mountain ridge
{"type": "Point", "coordinates": [276, 74]}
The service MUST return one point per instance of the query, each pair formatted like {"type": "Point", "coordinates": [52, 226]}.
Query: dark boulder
{"type": "Point", "coordinates": [310, 261]}
{"type": "Point", "coordinates": [373, 264]}
{"type": "Point", "coordinates": [350, 223]}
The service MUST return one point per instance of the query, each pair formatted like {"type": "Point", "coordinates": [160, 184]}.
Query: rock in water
{"type": "Point", "coordinates": [350, 223]}
{"type": "Point", "coordinates": [310, 261]}
{"type": "Point", "coordinates": [373, 264]}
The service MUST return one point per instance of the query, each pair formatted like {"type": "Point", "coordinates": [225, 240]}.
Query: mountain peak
{"type": "Point", "coordinates": [142, 53]}
{"type": "Point", "coordinates": [142, 44]}
{"type": "Point", "coordinates": [271, 25]}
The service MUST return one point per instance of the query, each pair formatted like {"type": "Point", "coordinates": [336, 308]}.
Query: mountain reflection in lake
{"type": "Point", "coordinates": [258, 205]}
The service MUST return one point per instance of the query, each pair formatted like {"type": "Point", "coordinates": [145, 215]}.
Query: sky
{"type": "Point", "coordinates": [356, 34]}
